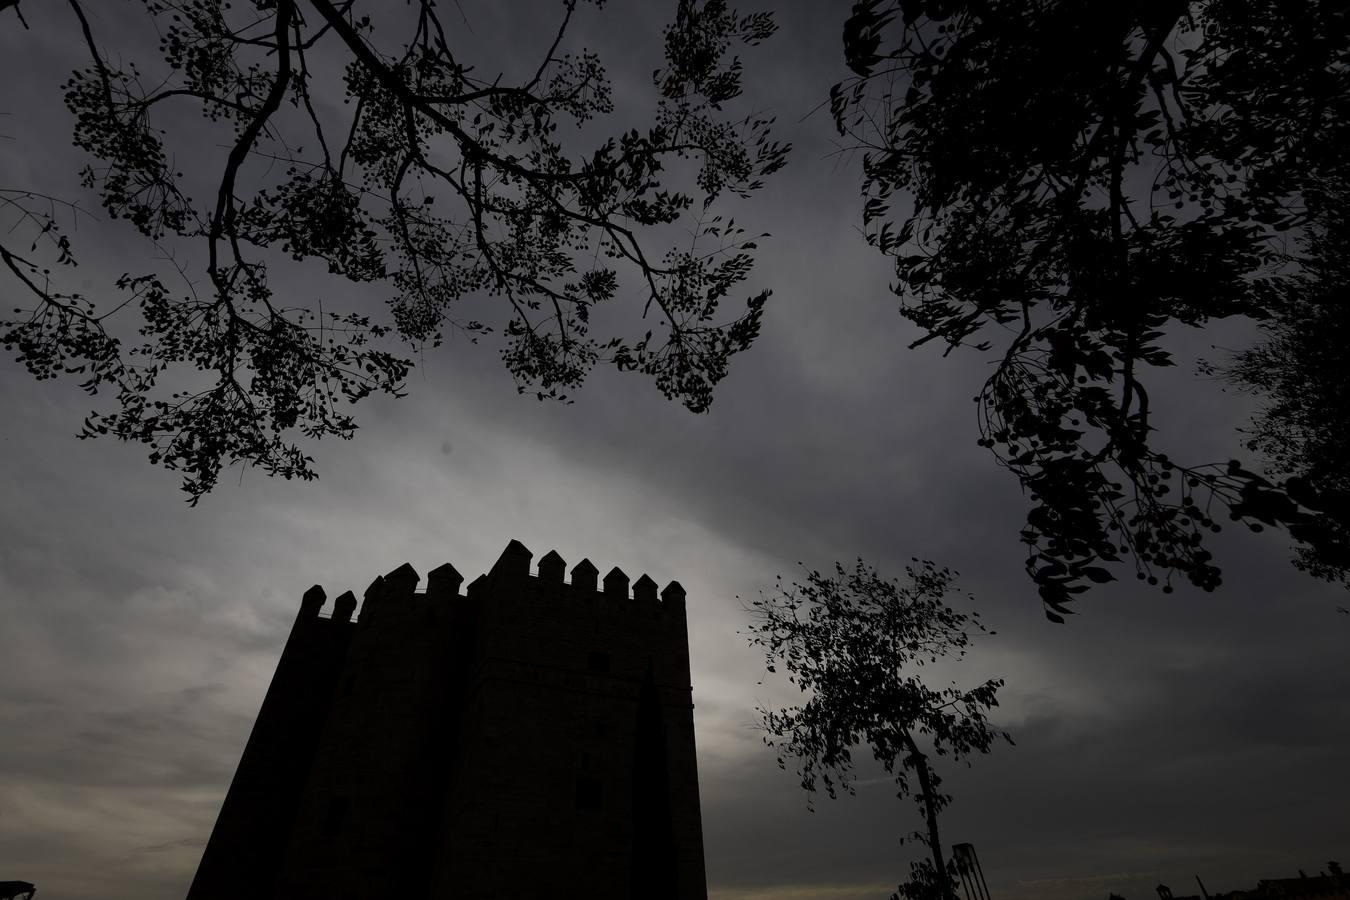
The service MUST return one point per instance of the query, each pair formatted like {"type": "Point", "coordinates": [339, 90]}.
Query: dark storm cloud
{"type": "Point", "coordinates": [1156, 736]}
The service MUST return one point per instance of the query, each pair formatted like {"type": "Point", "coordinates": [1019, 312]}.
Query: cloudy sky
{"type": "Point", "coordinates": [1157, 736]}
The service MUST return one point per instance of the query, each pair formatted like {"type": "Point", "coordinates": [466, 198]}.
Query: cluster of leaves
{"type": "Point", "coordinates": [1082, 180]}
{"type": "Point", "coordinates": [1303, 432]}
{"type": "Point", "coordinates": [64, 335]}
{"type": "Point", "coordinates": [853, 641]}
{"type": "Point", "coordinates": [442, 185]}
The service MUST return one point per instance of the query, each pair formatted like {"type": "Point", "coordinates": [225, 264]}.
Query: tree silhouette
{"type": "Point", "coordinates": [852, 643]}
{"type": "Point", "coordinates": [1303, 431]}
{"type": "Point", "coordinates": [1083, 180]}
{"type": "Point", "coordinates": [430, 180]}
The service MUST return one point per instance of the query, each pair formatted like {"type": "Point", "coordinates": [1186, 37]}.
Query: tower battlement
{"type": "Point", "coordinates": [512, 568]}
{"type": "Point", "coordinates": [527, 722]}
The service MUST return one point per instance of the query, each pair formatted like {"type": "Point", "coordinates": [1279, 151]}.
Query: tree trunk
{"type": "Point", "coordinates": [930, 812]}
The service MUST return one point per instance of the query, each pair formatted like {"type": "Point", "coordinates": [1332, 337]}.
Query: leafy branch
{"type": "Point", "coordinates": [443, 186]}
{"type": "Point", "coordinates": [1083, 183]}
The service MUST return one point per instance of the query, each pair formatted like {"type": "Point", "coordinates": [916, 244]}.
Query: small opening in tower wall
{"type": "Point", "coordinates": [589, 791]}
{"type": "Point", "coordinates": [337, 812]}
{"type": "Point", "coordinates": [597, 661]}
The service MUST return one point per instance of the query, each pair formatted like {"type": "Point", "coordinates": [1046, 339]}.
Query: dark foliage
{"type": "Point", "coordinates": [1303, 432]}
{"type": "Point", "coordinates": [853, 643]}
{"type": "Point", "coordinates": [1085, 178]}
{"type": "Point", "coordinates": [436, 184]}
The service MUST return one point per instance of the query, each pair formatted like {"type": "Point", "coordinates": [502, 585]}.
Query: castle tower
{"type": "Point", "coordinates": [246, 848]}
{"type": "Point", "coordinates": [527, 738]}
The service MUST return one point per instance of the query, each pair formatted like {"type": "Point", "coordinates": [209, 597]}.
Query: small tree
{"type": "Point", "coordinates": [852, 642]}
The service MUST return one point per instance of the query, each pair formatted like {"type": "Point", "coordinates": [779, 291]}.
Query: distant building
{"type": "Point", "coordinates": [528, 738]}
{"type": "Point", "coordinates": [1321, 887]}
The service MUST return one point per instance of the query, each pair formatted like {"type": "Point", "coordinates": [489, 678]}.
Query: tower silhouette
{"type": "Point", "coordinates": [526, 738]}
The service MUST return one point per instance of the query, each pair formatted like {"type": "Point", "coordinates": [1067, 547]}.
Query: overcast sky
{"type": "Point", "coordinates": [1157, 736]}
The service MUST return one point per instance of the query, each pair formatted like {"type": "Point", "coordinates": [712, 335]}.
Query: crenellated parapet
{"type": "Point", "coordinates": [616, 584]}
{"type": "Point", "coordinates": [444, 581]}
{"type": "Point", "coordinates": [312, 602]}
{"type": "Point", "coordinates": [585, 581]}
{"type": "Point", "coordinates": [552, 568]}
{"type": "Point", "coordinates": [511, 571]}
{"type": "Point", "coordinates": [584, 575]}
{"type": "Point", "coordinates": [513, 565]}
{"type": "Point", "coordinates": [673, 596]}
{"type": "Point", "coordinates": [370, 598]}
{"type": "Point", "coordinates": [402, 582]}
{"type": "Point", "coordinates": [344, 606]}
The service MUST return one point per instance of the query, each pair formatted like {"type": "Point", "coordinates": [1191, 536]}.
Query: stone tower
{"type": "Point", "coordinates": [526, 738]}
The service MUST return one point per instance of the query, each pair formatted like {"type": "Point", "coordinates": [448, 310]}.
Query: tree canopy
{"type": "Point", "coordinates": [393, 163]}
{"type": "Point", "coordinates": [1064, 184]}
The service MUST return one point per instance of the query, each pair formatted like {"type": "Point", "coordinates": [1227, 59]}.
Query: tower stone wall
{"type": "Point", "coordinates": [529, 737]}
